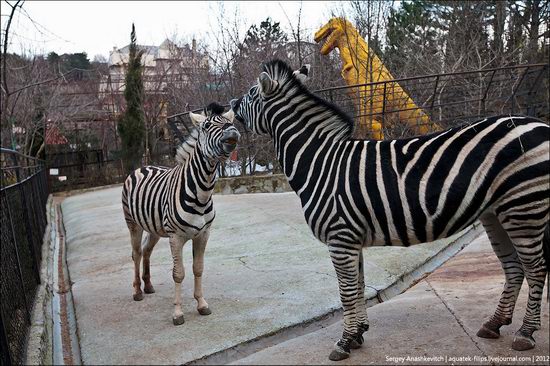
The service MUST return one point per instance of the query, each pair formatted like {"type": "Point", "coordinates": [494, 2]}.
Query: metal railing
{"type": "Point", "coordinates": [443, 100]}
{"type": "Point", "coordinates": [440, 101]}
{"type": "Point", "coordinates": [82, 169]}
{"type": "Point", "coordinates": [402, 107]}
{"type": "Point", "coordinates": [86, 175]}
{"type": "Point", "coordinates": [24, 194]}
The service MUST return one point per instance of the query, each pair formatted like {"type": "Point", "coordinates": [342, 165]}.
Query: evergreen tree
{"type": "Point", "coordinates": [70, 61]}
{"type": "Point", "coordinates": [261, 44]}
{"type": "Point", "coordinates": [131, 123]}
{"type": "Point", "coordinates": [53, 58]}
{"type": "Point", "coordinates": [267, 40]}
{"type": "Point", "coordinates": [412, 31]}
{"type": "Point", "coordinates": [78, 61]}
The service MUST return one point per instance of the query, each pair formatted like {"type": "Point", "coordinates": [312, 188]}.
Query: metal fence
{"type": "Point", "coordinates": [444, 100]}
{"type": "Point", "coordinates": [24, 194]}
{"type": "Point", "coordinates": [82, 169]}
{"type": "Point", "coordinates": [401, 108]}
{"type": "Point", "coordinates": [412, 106]}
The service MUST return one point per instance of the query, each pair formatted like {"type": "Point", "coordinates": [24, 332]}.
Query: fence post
{"type": "Point", "coordinates": [514, 91]}
{"type": "Point", "coordinates": [434, 93]}
{"type": "Point", "coordinates": [542, 69]}
{"type": "Point", "coordinates": [384, 106]}
{"type": "Point", "coordinates": [15, 164]}
{"type": "Point", "coordinates": [484, 100]}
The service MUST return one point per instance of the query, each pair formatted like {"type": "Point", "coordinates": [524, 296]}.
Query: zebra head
{"type": "Point", "coordinates": [249, 109]}
{"type": "Point", "coordinates": [217, 137]}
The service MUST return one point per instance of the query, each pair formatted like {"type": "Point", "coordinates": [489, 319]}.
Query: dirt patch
{"type": "Point", "coordinates": [469, 267]}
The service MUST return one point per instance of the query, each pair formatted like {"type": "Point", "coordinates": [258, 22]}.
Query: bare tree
{"type": "Point", "coordinates": [296, 33]}
{"type": "Point", "coordinates": [30, 87]}
{"type": "Point", "coordinates": [6, 93]}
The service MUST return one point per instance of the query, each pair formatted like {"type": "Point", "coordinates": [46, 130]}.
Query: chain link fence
{"type": "Point", "coordinates": [24, 195]}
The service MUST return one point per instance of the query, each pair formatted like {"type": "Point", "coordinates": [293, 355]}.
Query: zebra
{"type": "Point", "coordinates": [360, 193]}
{"type": "Point", "coordinates": [177, 203]}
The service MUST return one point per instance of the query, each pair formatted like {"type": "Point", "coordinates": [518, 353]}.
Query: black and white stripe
{"type": "Point", "coordinates": [177, 202]}
{"type": "Point", "coordinates": [357, 193]}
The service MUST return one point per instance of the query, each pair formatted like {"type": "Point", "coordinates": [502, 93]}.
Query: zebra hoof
{"type": "Point", "coordinates": [485, 332]}
{"type": "Point", "coordinates": [204, 311]}
{"type": "Point", "coordinates": [523, 343]}
{"type": "Point", "coordinates": [178, 320]}
{"type": "Point", "coordinates": [338, 355]}
{"type": "Point", "coordinates": [357, 342]}
{"type": "Point", "coordinates": [149, 289]}
{"type": "Point", "coordinates": [138, 297]}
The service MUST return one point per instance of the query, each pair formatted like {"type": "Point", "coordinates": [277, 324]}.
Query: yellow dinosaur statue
{"type": "Point", "coordinates": [362, 66]}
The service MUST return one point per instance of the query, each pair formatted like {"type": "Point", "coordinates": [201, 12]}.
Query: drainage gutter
{"type": "Point", "coordinates": [66, 348]}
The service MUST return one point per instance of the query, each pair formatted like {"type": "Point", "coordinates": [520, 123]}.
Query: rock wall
{"type": "Point", "coordinates": [274, 183]}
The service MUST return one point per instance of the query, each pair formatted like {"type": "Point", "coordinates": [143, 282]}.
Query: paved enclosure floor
{"type": "Point", "coordinates": [434, 322]}
{"type": "Point", "coordinates": [264, 271]}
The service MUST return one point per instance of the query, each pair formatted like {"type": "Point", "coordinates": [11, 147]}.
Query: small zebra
{"type": "Point", "coordinates": [177, 202]}
{"type": "Point", "coordinates": [359, 193]}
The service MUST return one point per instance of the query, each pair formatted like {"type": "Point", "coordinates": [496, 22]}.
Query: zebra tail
{"type": "Point", "coordinates": [546, 254]}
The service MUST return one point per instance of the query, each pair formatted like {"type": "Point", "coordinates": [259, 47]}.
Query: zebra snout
{"type": "Point", "coordinates": [230, 138]}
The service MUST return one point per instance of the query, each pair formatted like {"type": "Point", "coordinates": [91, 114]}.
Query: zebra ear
{"type": "Point", "coordinates": [302, 73]}
{"type": "Point", "coordinates": [229, 115]}
{"type": "Point", "coordinates": [196, 118]}
{"type": "Point", "coordinates": [267, 85]}
{"type": "Point", "coordinates": [234, 103]}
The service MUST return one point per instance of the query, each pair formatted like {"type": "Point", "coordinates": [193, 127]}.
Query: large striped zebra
{"type": "Point", "coordinates": [177, 203]}
{"type": "Point", "coordinates": [358, 193]}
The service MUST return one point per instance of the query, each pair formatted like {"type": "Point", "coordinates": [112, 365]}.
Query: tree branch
{"type": "Point", "coordinates": [45, 81]}
{"type": "Point", "coordinates": [19, 4]}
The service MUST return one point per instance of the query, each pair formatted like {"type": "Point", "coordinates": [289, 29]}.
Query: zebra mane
{"type": "Point", "coordinates": [282, 72]}
{"type": "Point", "coordinates": [186, 148]}
{"type": "Point", "coordinates": [214, 109]}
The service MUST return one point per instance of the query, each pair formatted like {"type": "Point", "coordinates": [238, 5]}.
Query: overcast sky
{"type": "Point", "coordinates": [95, 27]}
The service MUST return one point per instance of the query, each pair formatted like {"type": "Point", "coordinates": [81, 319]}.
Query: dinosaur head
{"type": "Point", "coordinates": [336, 32]}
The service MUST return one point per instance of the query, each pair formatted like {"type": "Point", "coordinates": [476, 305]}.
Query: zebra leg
{"type": "Point", "coordinates": [136, 234]}
{"type": "Point", "coordinates": [513, 272]}
{"type": "Point", "coordinates": [152, 240]}
{"type": "Point", "coordinates": [345, 259]}
{"type": "Point", "coordinates": [199, 245]}
{"type": "Point", "coordinates": [178, 273]}
{"type": "Point", "coordinates": [528, 243]}
{"type": "Point", "coordinates": [360, 307]}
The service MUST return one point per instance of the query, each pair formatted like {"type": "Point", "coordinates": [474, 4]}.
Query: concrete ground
{"type": "Point", "coordinates": [434, 322]}
{"type": "Point", "coordinates": [264, 272]}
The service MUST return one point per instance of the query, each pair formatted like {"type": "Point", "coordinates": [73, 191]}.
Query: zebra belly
{"type": "Point", "coordinates": [187, 225]}
{"type": "Point", "coordinates": [149, 219]}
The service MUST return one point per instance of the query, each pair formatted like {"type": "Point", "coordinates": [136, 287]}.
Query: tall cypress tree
{"type": "Point", "coordinates": [131, 123]}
